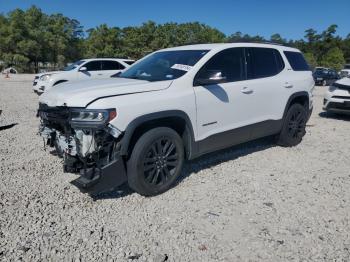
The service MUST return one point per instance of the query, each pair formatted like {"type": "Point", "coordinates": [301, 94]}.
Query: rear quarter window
{"type": "Point", "coordinates": [297, 61]}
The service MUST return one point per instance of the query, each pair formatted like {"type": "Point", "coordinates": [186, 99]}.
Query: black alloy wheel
{"type": "Point", "coordinates": [294, 124]}
{"type": "Point", "coordinates": [156, 161]}
{"type": "Point", "coordinates": [160, 162]}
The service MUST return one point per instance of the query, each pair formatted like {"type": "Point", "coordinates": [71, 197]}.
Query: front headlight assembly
{"type": "Point", "coordinates": [45, 77]}
{"type": "Point", "coordinates": [91, 117]}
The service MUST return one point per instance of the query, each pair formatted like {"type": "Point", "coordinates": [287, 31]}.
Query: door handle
{"type": "Point", "coordinates": [246, 90]}
{"type": "Point", "coordinates": [99, 74]}
{"type": "Point", "coordinates": [287, 85]}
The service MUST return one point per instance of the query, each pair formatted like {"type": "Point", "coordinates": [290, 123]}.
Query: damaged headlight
{"type": "Point", "coordinates": [91, 117]}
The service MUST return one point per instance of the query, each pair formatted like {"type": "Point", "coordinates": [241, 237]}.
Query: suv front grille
{"type": "Point", "coordinates": [342, 87]}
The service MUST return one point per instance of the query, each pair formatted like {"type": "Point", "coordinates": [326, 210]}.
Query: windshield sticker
{"type": "Point", "coordinates": [182, 67]}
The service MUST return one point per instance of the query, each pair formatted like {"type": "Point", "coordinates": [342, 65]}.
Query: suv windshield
{"type": "Point", "coordinates": [74, 65]}
{"type": "Point", "coordinates": [165, 65]}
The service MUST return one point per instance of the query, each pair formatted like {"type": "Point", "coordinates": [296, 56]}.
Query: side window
{"type": "Point", "coordinates": [129, 62]}
{"type": "Point", "coordinates": [263, 62]}
{"type": "Point", "coordinates": [229, 62]}
{"type": "Point", "coordinates": [297, 61]}
{"type": "Point", "coordinates": [111, 65]}
{"type": "Point", "coordinates": [93, 66]}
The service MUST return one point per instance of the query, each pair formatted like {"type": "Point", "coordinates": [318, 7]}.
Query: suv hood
{"type": "Point", "coordinates": [49, 73]}
{"type": "Point", "coordinates": [81, 93]}
{"type": "Point", "coordinates": [344, 81]}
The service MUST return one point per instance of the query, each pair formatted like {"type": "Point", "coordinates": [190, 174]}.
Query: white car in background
{"type": "Point", "coordinates": [337, 98]}
{"type": "Point", "coordinates": [96, 68]}
{"type": "Point", "coordinates": [344, 73]}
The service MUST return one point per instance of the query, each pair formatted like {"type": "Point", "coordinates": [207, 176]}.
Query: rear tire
{"type": "Point", "coordinates": [293, 128]}
{"type": "Point", "coordinates": [156, 161]}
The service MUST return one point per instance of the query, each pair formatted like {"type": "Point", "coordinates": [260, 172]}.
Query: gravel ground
{"type": "Point", "coordinates": [256, 202]}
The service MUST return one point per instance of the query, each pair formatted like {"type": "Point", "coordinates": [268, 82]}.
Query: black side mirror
{"type": "Point", "coordinates": [209, 77]}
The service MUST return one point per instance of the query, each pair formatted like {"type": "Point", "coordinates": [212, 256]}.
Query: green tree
{"type": "Point", "coordinates": [311, 60]}
{"type": "Point", "coordinates": [277, 38]}
{"type": "Point", "coordinates": [334, 58]}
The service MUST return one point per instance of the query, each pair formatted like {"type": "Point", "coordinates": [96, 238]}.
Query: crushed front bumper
{"type": "Point", "coordinates": [97, 180]}
{"type": "Point", "coordinates": [93, 153]}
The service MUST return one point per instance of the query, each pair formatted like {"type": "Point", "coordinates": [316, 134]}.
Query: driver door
{"type": "Point", "coordinates": [223, 108]}
{"type": "Point", "coordinates": [93, 70]}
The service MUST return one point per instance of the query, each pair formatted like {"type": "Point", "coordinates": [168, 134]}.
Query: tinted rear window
{"type": "Point", "coordinates": [297, 61]}
{"type": "Point", "coordinates": [111, 65]}
{"type": "Point", "coordinates": [263, 62]}
{"type": "Point", "coordinates": [129, 62]}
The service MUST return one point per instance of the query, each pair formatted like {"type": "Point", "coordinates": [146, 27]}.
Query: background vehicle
{"type": "Point", "coordinates": [344, 73]}
{"type": "Point", "coordinates": [176, 104]}
{"type": "Point", "coordinates": [337, 98]}
{"type": "Point", "coordinates": [9, 70]}
{"type": "Point", "coordinates": [97, 68]}
{"type": "Point", "coordinates": [325, 76]}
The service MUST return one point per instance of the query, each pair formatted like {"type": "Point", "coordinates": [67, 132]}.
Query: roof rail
{"type": "Point", "coordinates": [259, 42]}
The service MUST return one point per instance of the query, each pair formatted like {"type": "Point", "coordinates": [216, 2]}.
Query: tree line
{"type": "Point", "coordinates": [31, 39]}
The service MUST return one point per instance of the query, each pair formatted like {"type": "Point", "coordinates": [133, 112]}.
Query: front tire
{"type": "Point", "coordinates": [156, 161]}
{"type": "Point", "coordinates": [293, 129]}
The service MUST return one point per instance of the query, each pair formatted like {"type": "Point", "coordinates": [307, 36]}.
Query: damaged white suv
{"type": "Point", "coordinates": [176, 104]}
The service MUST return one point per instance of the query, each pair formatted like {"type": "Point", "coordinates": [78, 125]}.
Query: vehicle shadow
{"type": "Point", "coordinates": [343, 117]}
{"type": "Point", "coordinates": [8, 126]}
{"type": "Point", "coordinates": [203, 162]}
{"type": "Point", "coordinates": [224, 155]}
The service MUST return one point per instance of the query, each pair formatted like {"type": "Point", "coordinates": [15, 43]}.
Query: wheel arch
{"type": "Point", "coordinates": [59, 82]}
{"type": "Point", "coordinates": [301, 97]}
{"type": "Point", "coordinates": [175, 119]}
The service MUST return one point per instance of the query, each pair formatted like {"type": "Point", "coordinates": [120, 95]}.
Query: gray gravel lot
{"type": "Point", "coordinates": [256, 202]}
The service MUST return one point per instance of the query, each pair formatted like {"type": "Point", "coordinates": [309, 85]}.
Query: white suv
{"type": "Point", "coordinates": [176, 104]}
{"type": "Point", "coordinates": [337, 98]}
{"type": "Point", "coordinates": [86, 69]}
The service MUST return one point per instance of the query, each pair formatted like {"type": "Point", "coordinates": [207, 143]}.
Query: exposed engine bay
{"type": "Point", "coordinates": [88, 148]}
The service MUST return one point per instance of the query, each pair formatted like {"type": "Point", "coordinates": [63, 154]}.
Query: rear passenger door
{"type": "Point", "coordinates": [110, 67]}
{"type": "Point", "coordinates": [269, 85]}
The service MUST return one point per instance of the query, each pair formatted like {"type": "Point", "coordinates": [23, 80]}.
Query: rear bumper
{"type": "Point", "coordinates": [98, 180]}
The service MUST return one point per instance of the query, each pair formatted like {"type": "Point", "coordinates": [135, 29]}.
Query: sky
{"type": "Point", "coordinates": [265, 17]}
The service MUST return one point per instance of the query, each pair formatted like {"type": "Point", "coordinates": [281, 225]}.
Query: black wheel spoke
{"type": "Point", "coordinates": [172, 157]}
{"type": "Point", "coordinates": [155, 177]}
{"type": "Point", "coordinates": [149, 167]}
{"type": "Point", "coordinates": [169, 150]}
{"type": "Point", "coordinates": [160, 162]}
{"type": "Point", "coordinates": [171, 163]}
{"type": "Point", "coordinates": [167, 171]}
{"type": "Point", "coordinates": [159, 147]}
{"type": "Point", "coordinates": [163, 175]}
{"type": "Point", "coordinates": [150, 176]}
{"type": "Point", "coordinates": [166, 146]}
